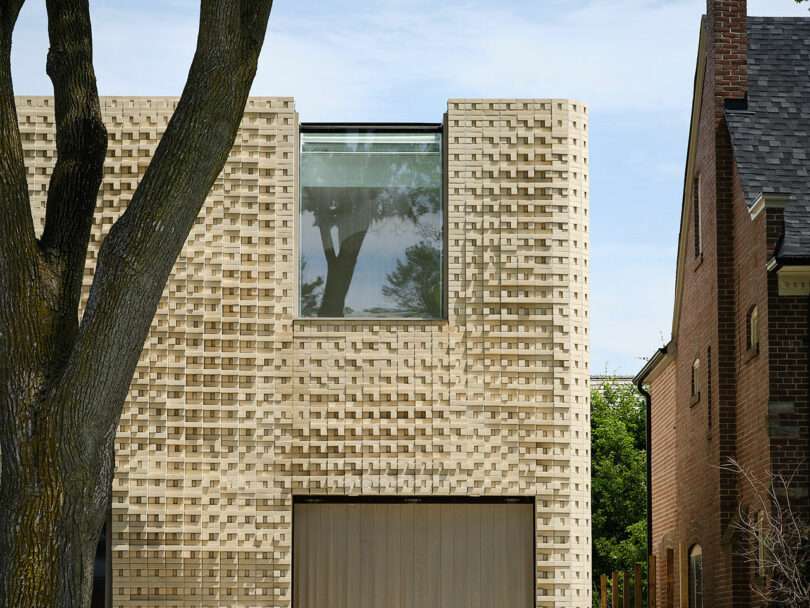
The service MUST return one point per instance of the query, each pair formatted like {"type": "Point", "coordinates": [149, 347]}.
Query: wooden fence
{"type": "Point", "coordinates": [623, 589]}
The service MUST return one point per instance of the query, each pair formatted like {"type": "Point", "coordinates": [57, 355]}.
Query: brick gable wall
{"type": "Point", "coordinates": [698, 477]}
{"type": "Point", "coordinates": [709, 330]}
{"type": "Point", "coordinates": [728, 79]}
{"type": "Point", "coordinates": [753, 405]}
{"type": "Point", "coordinates": [751, 377]}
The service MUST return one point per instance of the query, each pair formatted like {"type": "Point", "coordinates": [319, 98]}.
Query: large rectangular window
{"type": "Point", "coordinates": [371, 224]}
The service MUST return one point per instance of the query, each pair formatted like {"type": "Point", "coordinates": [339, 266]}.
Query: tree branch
{"type": "Point", "coordinates": [17, 238]}
{"type": "Point", "coordinates": [81, 144]}
{"type": "Point", "coordinates": [327, 242]}
{"type": "Point", "coordinates": [141, 248]}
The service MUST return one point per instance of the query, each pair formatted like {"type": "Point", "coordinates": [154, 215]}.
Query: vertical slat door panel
{"type": "Point", "coordinates": [489, 547]}
{"type": "Point", "coordinates": [300, 531]}
{"type": "Point", "coordinates": [407, 576]}
{"type": "Point", "coordinates": [500, 583]}
{"type": "Point", "coordinates": [378, 561]}
{"type": "Point", "coordinates": [413, 555]}
{"type": "Point", "coordinates": [365, 598]}
{"type": "Point", "coordinates": [474, 547]}
{"type": "Point", "coordinates": [355, 573]}
{"type": "Point", "coordinates": [427, 555]}
{"type": "Point", "coordinates": [338, 552]}
{"type": "Point", "coordinates": [392, 526]}
{"type": "Point", "coordinates": [447, 550]}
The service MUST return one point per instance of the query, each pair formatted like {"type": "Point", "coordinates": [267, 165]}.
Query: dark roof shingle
{"type": "Point", "coordinates": [771, 137]}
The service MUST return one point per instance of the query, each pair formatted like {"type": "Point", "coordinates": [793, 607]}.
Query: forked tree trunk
{"type": "Point", "coordinates": [63, 383]}
{"type": "Point", "coordinates": [339, 274]}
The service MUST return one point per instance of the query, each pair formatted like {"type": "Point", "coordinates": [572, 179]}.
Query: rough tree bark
{"type": "Point", "coordinates": [63, 382]}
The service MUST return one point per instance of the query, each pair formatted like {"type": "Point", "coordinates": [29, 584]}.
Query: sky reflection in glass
{"type": "Point", "coordinates": [371, 225]}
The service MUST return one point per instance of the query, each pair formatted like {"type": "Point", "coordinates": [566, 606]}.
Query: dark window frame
{"type": "Point", "coordinates": [370, 127]}
{"type": "Point", "coordinates": [696, 577]}
{"type": "Point", "coordinates": [669, 581]}
{"type": "Point", "coordinates": [752, 332]}
{"type": "Point", "coordinates": [697, 219]}
{"type": "Point", "coordinates": [375, 127]}
{"type": "Point", "coordinates": [709, 391]}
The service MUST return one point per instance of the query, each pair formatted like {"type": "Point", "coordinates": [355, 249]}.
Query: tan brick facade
{"type": "Point", "coordinates": [237, 406]}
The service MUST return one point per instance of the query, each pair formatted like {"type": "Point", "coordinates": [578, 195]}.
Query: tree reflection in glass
{"type": "Point", "coordinates": [371, 224]}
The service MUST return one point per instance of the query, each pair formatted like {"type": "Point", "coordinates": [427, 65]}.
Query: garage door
{"type": "Point", "coordinates": [413, 555]}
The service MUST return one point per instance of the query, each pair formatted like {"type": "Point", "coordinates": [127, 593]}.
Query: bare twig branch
{"type": "Point", "coordinates": [81, 144]}
{"type": "Point", "coordinates": [775, 540]}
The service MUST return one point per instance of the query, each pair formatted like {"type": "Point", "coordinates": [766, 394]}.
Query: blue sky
{"type": "Point", "coordinates": [632, 61]}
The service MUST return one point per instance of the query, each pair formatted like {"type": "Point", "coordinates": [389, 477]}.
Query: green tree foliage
{"type": "Point", "coordinates": [619, 479]}
{"type": "Point", "coordinates": [416, 284]}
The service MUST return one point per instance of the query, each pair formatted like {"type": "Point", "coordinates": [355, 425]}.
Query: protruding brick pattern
{"type": "Point", "coordinates": [237, 406]}
{"type": "Point", "coordinates": [518, 268]}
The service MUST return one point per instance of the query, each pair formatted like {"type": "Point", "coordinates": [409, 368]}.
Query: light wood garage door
{"type": "Point", "coordinates": [413, 555]}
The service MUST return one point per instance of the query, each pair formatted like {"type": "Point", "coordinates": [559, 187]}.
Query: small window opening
{"type": "Point", "coordinates": [753, 329]}
{"type": "Point", "coordinates": [698, 220]}
{"type": "Point", "coordinates": [709, 389]}
{"type": "Point", "coordinates": [696, 577]}
{"type": "Point", "coordinates": [696, 379]}
{"type": "Point", "coordinates": [670, 580]}
{"type": "Point", "coordinates": [371, 224]}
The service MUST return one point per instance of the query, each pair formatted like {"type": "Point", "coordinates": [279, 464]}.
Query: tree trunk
{"type": "Point", "coordinates": [63, 383]}
{"type": "Point", "coordinates": [340, 270]}
{"type": "Point", "coordinates": [50, 553]}
{"type": "Point", "coordinates": [53, 509]}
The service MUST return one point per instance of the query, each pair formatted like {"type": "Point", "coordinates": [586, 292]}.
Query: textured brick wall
{"type": "Point", "coordinates": [518, 241]}
{"type": "Point", "coordinates": [236, 406]}
{"type": "Point", "coordinates": [706, 427]}
{"type": "Point", "coordinates": [786, 337]}
{"type": "Point", "coordinates": [789, 369]}
{"type": "Point", "coordinates": [750, 258]}
{"type": "Point", "coordinates": [728, 35]}
{"type": "Point", "coordinates": [788, 411]}
{"type": "Point", "coordinates": [664, 472]}
{"type": "Point", "coordinates": [753, 403]}
{"type": "Point", "coordinates": [698, 455]}
{"type": "Point", "coordinates": [727, 69]}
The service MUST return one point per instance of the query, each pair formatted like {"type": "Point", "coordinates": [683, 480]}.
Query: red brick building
{"type": "Point", "coordinates": [733, 381]}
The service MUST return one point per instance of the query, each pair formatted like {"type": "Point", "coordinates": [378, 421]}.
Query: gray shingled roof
{"type": "Point", "coordinates": [771, 137]}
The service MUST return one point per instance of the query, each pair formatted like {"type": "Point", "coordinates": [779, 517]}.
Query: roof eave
{"type": "Point", "coordinates": [697, 100]}
{"type": "Point", "coordinates": [781, 261]}
{"type": "Point", "coordinates": [660, 355]}
{"type": "Point", "coordinates": [767, 200]}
